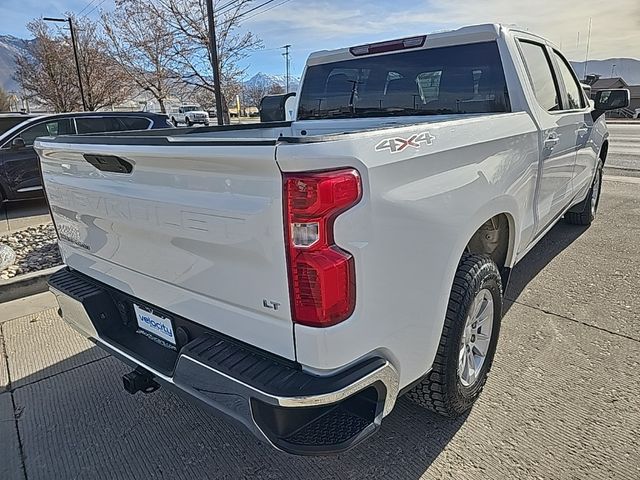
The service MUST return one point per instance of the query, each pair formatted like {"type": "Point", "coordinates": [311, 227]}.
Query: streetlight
{"type": "Point", "coordinates": [75, 53]}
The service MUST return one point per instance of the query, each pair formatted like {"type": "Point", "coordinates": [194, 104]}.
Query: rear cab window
{"type": "Point", "coordinates": [457, 79]}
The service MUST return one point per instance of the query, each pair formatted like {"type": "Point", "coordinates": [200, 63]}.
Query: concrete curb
{"type": "Point", "coordinates": [629, 121]}
{"type": "Point", "coordinates": [26, 285]}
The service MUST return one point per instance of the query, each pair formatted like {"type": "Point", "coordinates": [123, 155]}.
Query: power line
{"type": "Point", "coordinates": [255, 8]}
{"type": "Point", "coordinates": [226, 7]}
{"type": "Point", "coordinates": [87, 6]}
{"type": "Point", "coordinates": [266, 10]}
{"type": "Point", "coordinates": [93, 9]}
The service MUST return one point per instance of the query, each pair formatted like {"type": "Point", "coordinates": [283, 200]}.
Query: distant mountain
{"type": "Point", "coordinates": [10, 46]}
{"type": "Point", "coordinates": [627, 68]}
{"type": "Point", "coordinates": [265, 78]}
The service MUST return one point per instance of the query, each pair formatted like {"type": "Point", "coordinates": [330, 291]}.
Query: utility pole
{"type": "Point", "coordinates": [213, 47]}
{"type": "Point", "coordinates": [288, 62]}
{"type": "Point", "coordinates": [75, 54]}
{"type": "Point", "coordinates": [586, 57]}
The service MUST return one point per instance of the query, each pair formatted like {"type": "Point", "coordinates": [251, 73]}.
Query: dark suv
{"type": "Point", "coordinates": [19, 170]}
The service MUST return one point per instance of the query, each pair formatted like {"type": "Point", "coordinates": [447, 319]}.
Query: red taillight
{"type": "Point", "coordinates": [321, 275]}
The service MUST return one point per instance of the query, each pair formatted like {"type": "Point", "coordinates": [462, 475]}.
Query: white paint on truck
{"type": "Point", "coordinates": [219, 225]}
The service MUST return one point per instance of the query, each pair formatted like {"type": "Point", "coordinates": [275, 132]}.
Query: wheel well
{"type": "Point", "coordinates": [603, 151]}
{"type": "Point", "coordinates": [492, 239]}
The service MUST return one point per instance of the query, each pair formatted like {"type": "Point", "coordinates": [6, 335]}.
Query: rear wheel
{"type": "Point", "coordinates": [468, 341]}
{"type": "Point", "coordinates": [584, 213]}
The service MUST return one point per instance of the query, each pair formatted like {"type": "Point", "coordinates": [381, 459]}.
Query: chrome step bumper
{"type": "Point", "coordinates": [293, 410]}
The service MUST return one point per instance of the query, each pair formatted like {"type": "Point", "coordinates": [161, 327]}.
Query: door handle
{"type": "Point", "coordinates": [109, 163]}
{"type": "Point", "coordinates": [551, 141]}
{"type": "Point", "coordinates": [583, 129]}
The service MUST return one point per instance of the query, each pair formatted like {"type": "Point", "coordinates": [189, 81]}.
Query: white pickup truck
{"type": "Point", "coordinates": [300, 276]}
{"type": "Point", "coordinates": [191, 114]}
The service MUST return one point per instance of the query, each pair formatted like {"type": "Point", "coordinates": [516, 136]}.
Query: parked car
{"type": "Point", "coordinates": [301, 276]}
{"type": "Point", "coordinates": [19, 170]}
{"type": "Point", "coordinates": [190, 114]}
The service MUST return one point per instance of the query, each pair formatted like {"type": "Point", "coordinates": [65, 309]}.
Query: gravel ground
{"type": "Point", "coordinates": [36, 248]}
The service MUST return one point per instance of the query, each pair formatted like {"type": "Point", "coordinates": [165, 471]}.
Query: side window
{"type": "Point", "coordinates": [540, 74]}
{"type": "Point", "coordinates": [46, 129]}
{"type": "Point", "coordinates": [134, 123]}
{"type": "Point", "coordinates": [575, 99]}
{"type": "Point", "coordinates": [97, 124]}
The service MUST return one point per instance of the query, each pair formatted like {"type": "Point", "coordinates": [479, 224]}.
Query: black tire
{"type": "Point", "coordinates": [174, 121]}
{"type": "Point", "coordinates": [442, 390]}
{"type": "Point", "coordinates": [187, 121]}
{"type": "Point", "coordinates": [584, 213]}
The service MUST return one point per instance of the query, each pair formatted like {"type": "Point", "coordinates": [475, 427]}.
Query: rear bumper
{"type": "Point", "coordinates": [280, 403]}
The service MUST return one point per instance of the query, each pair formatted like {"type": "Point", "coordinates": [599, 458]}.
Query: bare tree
{"type": "Point", "coordinates": [255, 92]}
{"type": "Point", "coordinates": [188, 21]}
{"type": "Point", "coordinates": [105, 81]}
{"type": "Point", "coordinates": [47, 73]}
{"type": "Point", "coordinates": [143, 44]}
{"type": "Point", "coordinates": [5, 102]}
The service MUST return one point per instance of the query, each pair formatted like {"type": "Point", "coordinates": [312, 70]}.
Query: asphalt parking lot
{"type": "Point", "coordinates": [19, 215]}
{"type": "Point", "coordinates": [562, 401]}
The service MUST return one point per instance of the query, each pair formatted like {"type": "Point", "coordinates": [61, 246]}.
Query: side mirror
{"type": "Point", "coordinates": [612, 99]}
{"type": "Point", "coordinates": [17, 143]}
{"type": "Point", "coordinates": [606, 100]}
{"type": "Point", "coordinates": [273, 107]}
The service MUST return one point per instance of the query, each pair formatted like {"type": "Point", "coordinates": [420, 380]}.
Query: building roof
{"type": "Point", "coordinates": [635, 91]}
{"type": "Point", "coordinates": [613, 82]}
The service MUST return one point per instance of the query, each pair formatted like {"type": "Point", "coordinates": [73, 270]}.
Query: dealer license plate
{"type": "Point", "coordinates": [156, 325]}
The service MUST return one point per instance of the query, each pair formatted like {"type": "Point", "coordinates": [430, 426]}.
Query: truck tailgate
{"type": "Point", "coordinates": [197, 231]}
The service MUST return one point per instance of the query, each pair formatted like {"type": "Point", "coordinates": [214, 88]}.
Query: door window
{"type": "Point", "coordinates": [134, 123]}
{"type": "Point", "coordinates": [53, 128]}
{"type": "Point", "coordinates": [540, 75]}
{"type": "Point", "coordinates": [98, 124]}
{"type": "Point", "coordinates": [575, 99]}
{"type": "Point", "coordinates": [7, 123]}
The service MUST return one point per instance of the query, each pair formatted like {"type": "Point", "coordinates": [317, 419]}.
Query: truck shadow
{"type": "Point", "coordinates": [560, 237]}
{"type": "Point", "coordinates": [76, 421]}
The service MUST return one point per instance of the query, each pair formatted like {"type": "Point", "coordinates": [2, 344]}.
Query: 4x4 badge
{"type": "Point", "coordinates": [398, 144]}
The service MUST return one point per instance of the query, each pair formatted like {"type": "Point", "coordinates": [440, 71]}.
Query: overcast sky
{"type": "Point", "coordinates": [310, 25]}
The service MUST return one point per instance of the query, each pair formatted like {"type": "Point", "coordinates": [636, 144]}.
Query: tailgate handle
{"type": "Point", "coordinates": [109, 163]}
